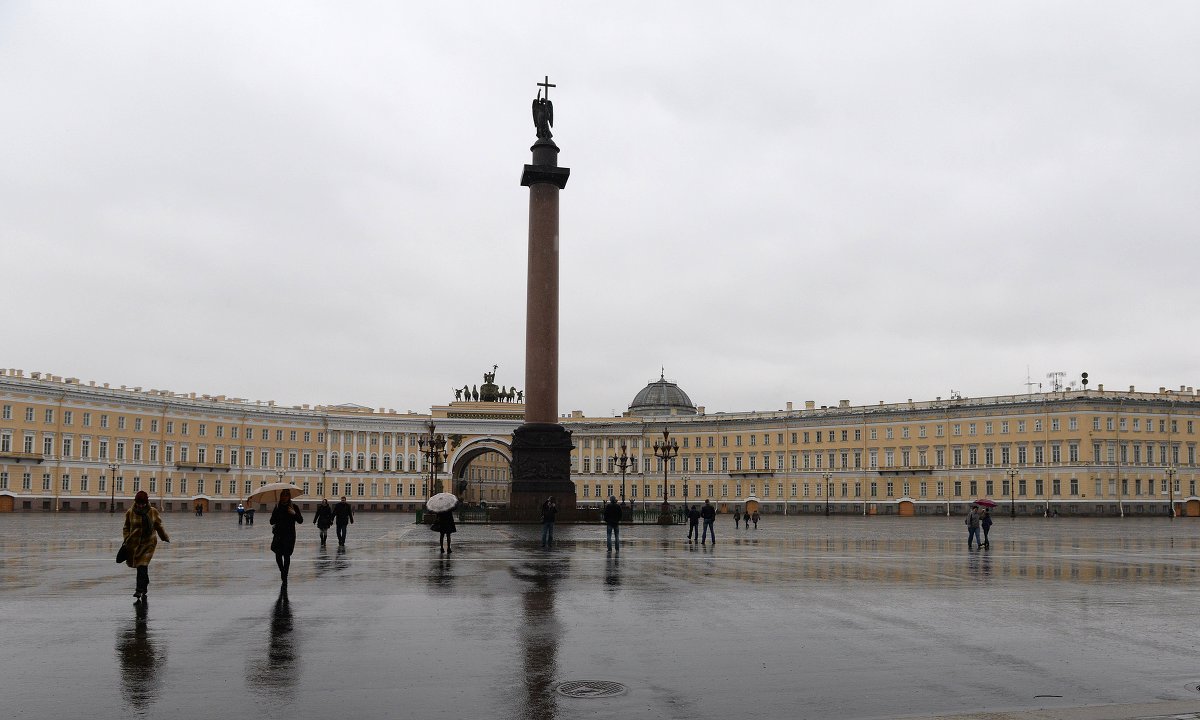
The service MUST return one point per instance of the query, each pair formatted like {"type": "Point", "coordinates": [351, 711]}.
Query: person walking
{"type": "Point", "coordinates": [549, 510]}
{"type": "Point", "coordinates": [612, 523]}
{"type": "Point", "coordinates": [755, 516]}
{"type": "Point", "coordinates": [985, 524]}
{"type": "Point", "coordinates": [693, 516]}
{"type": "Point", "coordinates": [140, 534]}
{"type": "Point", "coordinates": [972, 522]}
{"type": "Point", "coordinates": [284, 519]}
{"type": "Point", "coordinates": [446, 528]}
{"type": "Point", "coordinates": [241, 511]}
{"type": "Point", "coordinates": [737, 516]}
{"type": "Point", "coordinates": [250, 515]}
{"type": "Point", "coordinates": [343, 516]}
{"type": "Point", "coordinates": [323, 519]}
{"type": "Point", "coordinates": [709, 514]}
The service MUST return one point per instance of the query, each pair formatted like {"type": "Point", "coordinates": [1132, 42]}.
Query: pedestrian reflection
{"type": "Point", "coordinates": [539, 636]}
{"type": "Point", "coordinates": [612, 573]}
{"type": "Point", "coordinates": [441, 575]}
{"type": "Point", "coordinates": [327, 563]}
{"type": "Point", "coordinates": [277, 672]}
{"type": "Point", "coordinates": [141, 658]}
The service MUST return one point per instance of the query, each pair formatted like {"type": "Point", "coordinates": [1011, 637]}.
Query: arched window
{"type": "Point", "coordinates": [387, 465]}
{"type": "Point", "coordinates": [333, 461]}
{"type": "Point", "coordinates": [374, 461]}
{"type": "Point", "coordinates": [347, 461]}
{"type": "Point", "coordinates": [412, 463]}
{"type": "Point", "coordinates": [362, 461]}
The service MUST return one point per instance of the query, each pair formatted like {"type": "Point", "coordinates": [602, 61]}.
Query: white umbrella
{"type": "Point", "coordinates": [441, 502]}
{"type": "Point", "coordinates": [269, 493]}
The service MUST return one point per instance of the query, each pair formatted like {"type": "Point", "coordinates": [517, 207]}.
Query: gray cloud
{"type": "Point", "coordinates": [778, 202]}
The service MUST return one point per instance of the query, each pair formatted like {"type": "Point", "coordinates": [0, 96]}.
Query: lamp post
{"type": "Point", "coordinates": [112, 497]}
{"type": "Point", "coordinates": [1171, 490]}
{"type": "Point", "coordinates": [665, 450]}
{"type": "Point", "coordinates": [622, 462]}
{"type": "Point", "coordinates": [1012, 490]}
{"type": "Point", "coordinates": [433, 447]}
{"type": "Point", "coordinates": [828, 489]}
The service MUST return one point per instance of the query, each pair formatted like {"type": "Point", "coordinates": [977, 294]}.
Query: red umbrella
{"type": "Point", "coordinates": [986, 503]}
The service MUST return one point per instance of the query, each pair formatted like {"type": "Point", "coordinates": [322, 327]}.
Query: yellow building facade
{"type": "Point", "coordinates": [72, 446]}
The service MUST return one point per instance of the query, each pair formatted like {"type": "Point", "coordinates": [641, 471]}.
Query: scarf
{"type": "Point", "coordinates": [147, 526]}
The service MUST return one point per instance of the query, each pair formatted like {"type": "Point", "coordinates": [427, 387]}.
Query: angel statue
{"type": "Point", "coordinates": [543, 116]}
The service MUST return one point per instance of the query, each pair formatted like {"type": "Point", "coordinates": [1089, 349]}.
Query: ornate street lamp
{"type": "Point", "coordinates": [828, 490]}
{"type": "Point", "coordinates": [433, 447]}
{"type": "Point", "coordinates": [1012, 490]}
{"type": "Point", "coordinates": [665, 450]}
{"type": "Point", "coordinates": [1171, 489]}
{"type": "Point", "coordinates": [623, 462]}
{"type": "Point", "coordinates": [112, 497]}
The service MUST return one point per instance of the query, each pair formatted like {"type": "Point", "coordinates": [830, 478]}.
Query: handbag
{"type": "Point", "coordinates": [123, 553]}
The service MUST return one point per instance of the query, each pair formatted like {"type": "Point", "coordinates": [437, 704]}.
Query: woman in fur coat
{"type": "Point", "coordinates": [143, 528]}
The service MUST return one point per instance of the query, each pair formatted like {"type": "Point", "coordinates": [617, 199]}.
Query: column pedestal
{"type": "Point", "coordinates": [541, 468]}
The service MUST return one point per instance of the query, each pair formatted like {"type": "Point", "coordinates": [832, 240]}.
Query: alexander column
{"type": "Point", "coordinates": [541, 464]}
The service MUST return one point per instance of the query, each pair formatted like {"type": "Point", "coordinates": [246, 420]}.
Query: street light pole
{"type": "Point", "coordinates": [433, 447]}
{"type": "Point", "coordinates": [1012, 490]}
{"type": "Point", "coordinates": [828, 489]}
{"type": "Point", "coordinates": [112, 497]}
{"type": "Point", "coordinates": [1171, 489]}
{"type": "Point", "coordinates": [622, 462]}
{"type": "Point", "coordinates": [665, 450]}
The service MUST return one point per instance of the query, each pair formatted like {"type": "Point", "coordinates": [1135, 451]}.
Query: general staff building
{"type": "Point", "coordinates": [71, 446]}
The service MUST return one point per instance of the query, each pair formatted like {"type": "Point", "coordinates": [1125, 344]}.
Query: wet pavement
{"type": "Point", "coordinates": [809, 617]}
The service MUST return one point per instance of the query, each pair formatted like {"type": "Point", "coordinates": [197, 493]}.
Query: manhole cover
{"type": "Point", "coordinates": [590, 688]}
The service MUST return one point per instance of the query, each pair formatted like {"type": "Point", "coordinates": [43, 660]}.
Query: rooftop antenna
{"type": "Point", "coordinates": [1056, 380]}
{"type": "Point", "coordinates": [1029, 383]}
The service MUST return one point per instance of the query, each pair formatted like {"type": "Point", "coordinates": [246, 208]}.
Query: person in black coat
{"type": "Point", "coordinates": [323, 519]}
{"type": "Point", "coordinates": [284, 519]}
{"type": "Point", "coordinates": [445, 528]}
{"type": "Point", "coordinates": [549, 510]}
{"type": "Point", "coordinates": [612, 523]}
{"type": "Point", "coordinates": [709, 514]}
{"type": "Point", "coordinates": [693, 516]}
{"type": "Point", "coordinates": [343, 516]}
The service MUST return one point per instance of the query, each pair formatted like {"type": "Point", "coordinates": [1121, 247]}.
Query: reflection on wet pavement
{"type": "Point", "coordinates": [277, 671]}
{"type": "Point", "coordinates": [141, 658]}
{"type": "Point", "coordinates": [814, 617]}
{"type": "Point", "coordinates": [539, 636]}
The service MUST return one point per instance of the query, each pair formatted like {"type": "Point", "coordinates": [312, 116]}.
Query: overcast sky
{"type": "Point", "coordinates": [775, 201]}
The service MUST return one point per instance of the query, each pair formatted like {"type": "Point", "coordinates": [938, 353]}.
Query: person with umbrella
{"type": "Point", "coordinates": [443, 505]}
{"type": "Point", "coordinates": [143, 527]}
{"type": "Point", "coordinates": [985, 523]}
{"type": "Point", "coordinates": [323, 519]}
{"type": "Point", "coordinates": [284, 519]}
